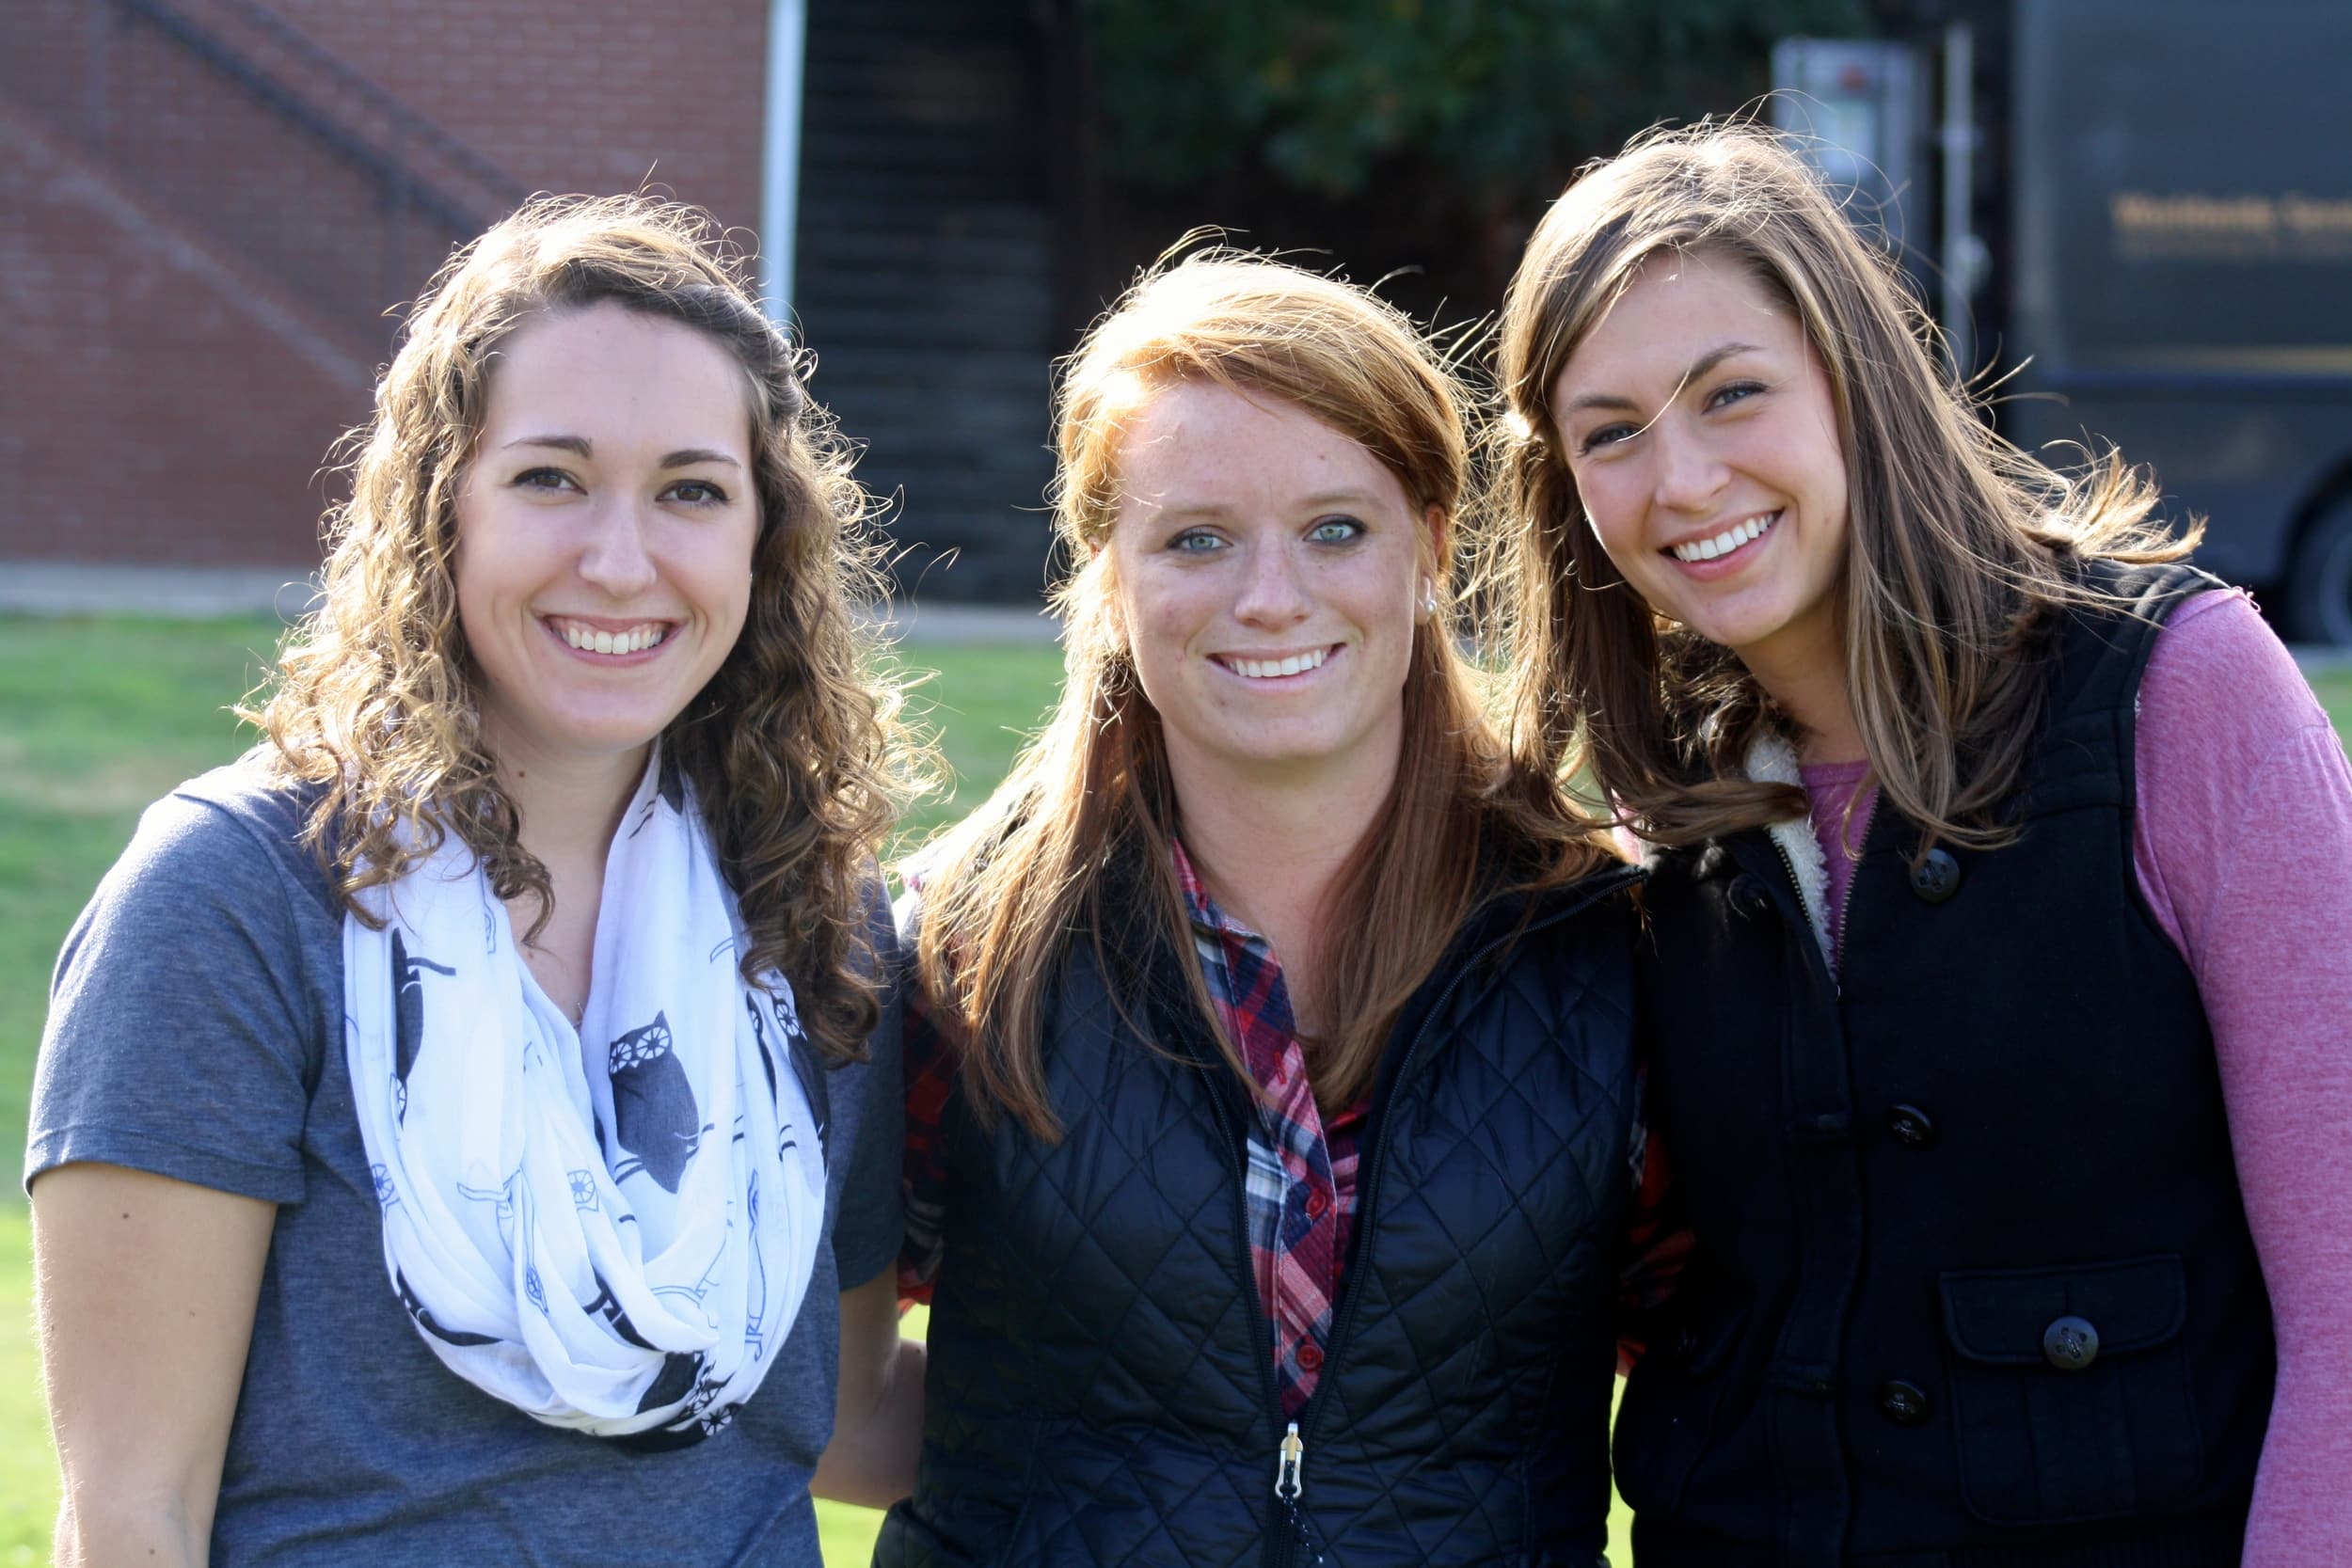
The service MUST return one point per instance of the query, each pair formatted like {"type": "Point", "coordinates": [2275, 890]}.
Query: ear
{"type": "Point", "coordinates": [1437, 527]}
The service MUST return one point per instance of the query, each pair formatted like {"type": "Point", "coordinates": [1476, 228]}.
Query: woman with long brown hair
{"type": "Point", "coordinates": [1995, 969]}
{"type": "Point", "coordinates": [468, 1125]}
{"type": "Point", "coordinates": [1271, 1111]}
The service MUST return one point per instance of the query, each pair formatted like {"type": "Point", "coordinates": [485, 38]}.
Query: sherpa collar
{"type": "Point", "coordinates": [1771, 759]}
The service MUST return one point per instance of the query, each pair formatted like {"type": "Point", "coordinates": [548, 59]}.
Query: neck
{"type": "Point", "coordinates": [1809, 685]}
{"type": "Point", "coordinates": [1271, 846]}
{"type": "Point", "coordinates": [570, 805]}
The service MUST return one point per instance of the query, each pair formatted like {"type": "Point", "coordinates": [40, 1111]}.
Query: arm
{"type": "Point", "coordinates": [878, 1398]}
{"type": "Point", "coordinates": [2243, 838]}
{"type": "Point", "coordinates": [932, 1061]}
{"type": "Point", "coordinates": [166, 1126]}
{"type": "Point", "coordinates": [878, 1411]}
{"type": "Point", "coordinates": [144, 1297]}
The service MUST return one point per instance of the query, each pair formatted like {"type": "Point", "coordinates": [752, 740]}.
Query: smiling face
{"type": "Point", "coordinates": [604, 529]}
{"type": "Point", "coordinates": [1269, 572]}
{"type": "Point", "coordinates": [1702, 434]}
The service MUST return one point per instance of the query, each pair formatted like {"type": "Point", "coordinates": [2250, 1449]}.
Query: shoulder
{"type": "Point", "coordinates": [2219, 677]}
{"type": "Point", "coordinates": [2228, 736]}
{"type": "Point", "coordinates": [1583, 932]}
{"type": "Point", "coordinates": [2095, 647]}
{"type": "Point", "coordinates": [226, 837]}
{"type": "Point", "coordinates": [204, 973]}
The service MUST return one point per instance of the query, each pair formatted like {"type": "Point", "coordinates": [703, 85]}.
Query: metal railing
{"type": "Point", "coordinates": [263, 142]}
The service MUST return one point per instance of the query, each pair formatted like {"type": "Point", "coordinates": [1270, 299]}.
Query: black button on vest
{"type": "Point", "coordinates": [1905, 1403]}
{"type": "Point", "coordinates": [2070, 1344]}
{"type": "Point", "coordinates": [1936, 877]}
{"type": "Point", "coordinates": [1912, 1126]}
{"type": "Point", "coordinates": [1750, 897]}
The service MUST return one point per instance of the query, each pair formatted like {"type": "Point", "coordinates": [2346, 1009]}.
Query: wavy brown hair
{"type": "Point", "coordinates": [793, 746]}
{"type": "Point", "coordinates": [1959, 545]}
{"type": "Point", "coordinates": [1088, 810]}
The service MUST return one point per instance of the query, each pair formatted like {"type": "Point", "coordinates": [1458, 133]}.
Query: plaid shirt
{"type": "Point", "coordinates": [1300, 1196]}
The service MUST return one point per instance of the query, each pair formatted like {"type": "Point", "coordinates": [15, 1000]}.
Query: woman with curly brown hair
{"type": "Point", "coordinates": [458, 1110]}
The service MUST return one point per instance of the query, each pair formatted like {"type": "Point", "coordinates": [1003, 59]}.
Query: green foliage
{"type": "Point", "coordinates": [1499, 93]}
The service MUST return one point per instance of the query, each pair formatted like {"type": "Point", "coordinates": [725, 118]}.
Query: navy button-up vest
{"type": "Point", "coordinates": [1973, 1285]}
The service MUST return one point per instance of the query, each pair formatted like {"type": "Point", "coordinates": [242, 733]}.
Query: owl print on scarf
{"type": "Point", "coordinates": [654, 1115]}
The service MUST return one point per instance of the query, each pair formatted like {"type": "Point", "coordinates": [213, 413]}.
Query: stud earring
{"type": "Point", "coordinates": [1428, 597]}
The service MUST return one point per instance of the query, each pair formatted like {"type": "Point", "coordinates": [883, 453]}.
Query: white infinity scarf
{"type": "Point", "coordinates": [612, 1228]}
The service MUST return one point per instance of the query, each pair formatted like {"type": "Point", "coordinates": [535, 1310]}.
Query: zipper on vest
{"type": "Point", "coordinates": [1290, 1484]}
{"type": "Point", "coordinates": [1367, 1195]}
{"type": "Point", "coordinates": [1291, 1454]}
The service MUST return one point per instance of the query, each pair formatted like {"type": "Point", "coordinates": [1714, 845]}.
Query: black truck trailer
{"type": "Point", "coordinates": [2148, 205]}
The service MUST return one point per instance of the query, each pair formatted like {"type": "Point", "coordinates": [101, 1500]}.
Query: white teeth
{"type": "Point", "coordinates": [1267, 669]}
{"type": "Point", "coordinates": [588, 640]}
{"type": "Point", "coordinates": [1727, 541]}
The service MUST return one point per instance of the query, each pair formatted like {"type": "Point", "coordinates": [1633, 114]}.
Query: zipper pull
{"type": "Point", "coordinates": [1288, 1484]}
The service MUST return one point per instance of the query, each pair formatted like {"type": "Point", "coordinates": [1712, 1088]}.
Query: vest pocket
{"type": "Point", "coordinates": [2071, 1395]}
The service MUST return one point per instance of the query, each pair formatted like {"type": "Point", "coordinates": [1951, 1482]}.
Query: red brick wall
{"type": "Point", "coordinates": [576, 95]}
{"type": "Point", "coordinates": [169, 397]}
{"type": "Point", "coordinates": [161, 405]}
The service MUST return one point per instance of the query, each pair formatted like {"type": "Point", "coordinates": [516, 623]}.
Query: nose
{"type": "Point", "coordinates": [1273, 593]}
{"type": "Point", "coordinates": [613, 557]}
{"type": "Point", "coordinates": [1689, 474]}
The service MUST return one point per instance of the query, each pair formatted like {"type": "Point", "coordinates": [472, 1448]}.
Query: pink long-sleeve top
{"type": "Point", "coordinates": [2242, 842]}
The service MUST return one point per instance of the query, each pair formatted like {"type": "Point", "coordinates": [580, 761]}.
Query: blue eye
{"type": "Point", "coordinates": [1608, 435]}
{"type": "Point", "coordinates": [1737, 391]}
{"type": "Point", "coordinates": [1335, 530]}
{"type": "Point", "coordinates": [1196, 541]}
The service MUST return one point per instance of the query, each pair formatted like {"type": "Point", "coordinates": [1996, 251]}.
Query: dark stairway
{"type": "Point", "coordinates": [924, 277]}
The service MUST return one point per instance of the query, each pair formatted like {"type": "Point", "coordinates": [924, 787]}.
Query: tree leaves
{"type": "Point", "coordinates": [1502, 93]}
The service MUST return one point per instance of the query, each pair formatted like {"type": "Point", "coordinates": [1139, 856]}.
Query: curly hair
{"type": "Point", "coordinates": [793, 747]}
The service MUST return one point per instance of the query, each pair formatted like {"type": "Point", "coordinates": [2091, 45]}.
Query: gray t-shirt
{"type": "Point", "coordinates": [195, 1032]}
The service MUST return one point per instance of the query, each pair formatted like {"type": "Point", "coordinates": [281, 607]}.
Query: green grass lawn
{"type": "Point", "coordinates": [99, 717]}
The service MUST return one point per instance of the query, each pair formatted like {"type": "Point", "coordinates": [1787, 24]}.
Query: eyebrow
{"type": "Point", "coordinates": [579, 446]}
{"type": "Point", "coordinates": [1699, 367]}
{"type": "Point", "coordinates": [1321, 498]}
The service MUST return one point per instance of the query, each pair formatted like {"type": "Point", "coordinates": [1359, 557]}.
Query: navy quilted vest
{"type": "Point", "coordinates": [1101, 1386]}
{"type": "Point", "coordinates": [1973, 1285]}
